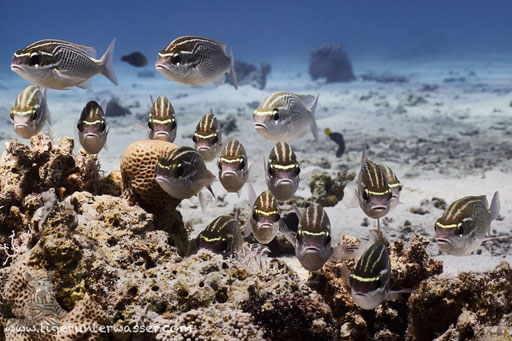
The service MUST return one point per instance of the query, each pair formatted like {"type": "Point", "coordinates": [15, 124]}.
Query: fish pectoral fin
{"type": "Point", "coordinates": [248, 229]}
{"type": "Point", "coordinates": [494, 209]}
{"type": "Point", "coordinates": [351, 199]}
{"type": "Point", "coordinates": [345, 275]}
{"type": "Point", "coordinates": [255, 170]}
{"type": "Point", "coordinates": [136, 122]}
{"type": "Point", "coordinates": [345, 251]}
{"type": "Point", "coordinates": [287, 233]}
{"type": "Point", "coordinates": [85, 85]}
{"type": "Point", "coordinates": [308, 173]}
{"type": "Point", "coordinates": [251, 192]}
{"type": "Point", "coordinates": [221, 80]}
{"type": "Point", "coordinates": [202, 201]}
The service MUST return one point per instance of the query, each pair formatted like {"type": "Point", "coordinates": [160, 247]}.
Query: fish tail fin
{"type": "Point", "coordinates": [232, 73]}
{"type": "Point", "coordinates": [495, 206]}
{"type": "Point", "coordinates": [107, 68]}
{"type": "Point", "coordinates": [314, 128]}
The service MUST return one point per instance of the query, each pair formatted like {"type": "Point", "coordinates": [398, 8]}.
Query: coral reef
{"type": "Point", "coordinates": [332, 63]}
{"type": "Point", "coordinates": [249, 74]}
{"type": "Point", "coordinates": [410, 266]}
{"type": "Point", "coordinates": [328, 191]}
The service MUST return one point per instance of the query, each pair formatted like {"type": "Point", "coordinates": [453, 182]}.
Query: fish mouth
{"type": "Point", "coordinates": [260, 126]}
{"type": "Point", "coordinates": [229, 173]}
{"type": "Point", "coordinates": [284, 182]}
{"type": "Point", "coordinates": [90, 135]}
{"type": "Point", "coordinates": [21, 125]}
{"type": "Point", "coordinates": [159, 66]}
{"type": "Point", "coordinates": [264, 226]}
{"type": "Point", "coordinates": [162, 133]}
{"type": "Point", "coordinates": [311, 249]}
{"type": "Point", "coordinates": [15, 67]}
{"type": "Point", "coordinates": [203, 149]}
{"type": "Point", "coordinates": [379, 208]}
{"type": "Point", "coordinates": [443, 241]}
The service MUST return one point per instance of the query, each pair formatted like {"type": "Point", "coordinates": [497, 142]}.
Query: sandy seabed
{"type": "Point", "coordinates": [447, 133]}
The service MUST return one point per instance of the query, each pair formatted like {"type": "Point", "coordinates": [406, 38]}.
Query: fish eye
{"type": "Point", "coordinates": [255, 216]}
{"type": "Point", "coordinates": [12, 114]}
{"type": "Point", "coordinates": [276, 114]}
{"type": "Point", "coordinates": [176, 59]}
{"type": "Point", "coordinates": [365, 195]}
{"type": "Point", "coordinates": [150, 125]}
{"type": "Point", "coordinates": [271, 171]}
{"type": "Point", "coordinates": [180, 170]}
{"type": "Point", "coordinates": [215, 139]}
{"type": "Point", "coordinates": [35, 113]}
{"type": "Point", "coordinates": [225, 244]}
{"type": "Point", "coordinates": [173, 125]}
{"type": "Point", "coordinates": [78, 126]}
{"type": "Point", "coordinates": [328, 240]}
{"type": "Point", "coordinates": [34, 60]}
{"type": "Point", "coordinates": [460, 229]}
{"type": "Point", "coordinates": [194, 138]}
{"type": "Point", "coordinates": [103, 126]}
{"type": "Point", "coordinates": [390, 195]}
{"type": "Point", "coordinates": [242, 165]}
{"type": "Point", "coordinates": [297, 170]}
{"type": "Point", "coordinates": [400, 188]}
{"type": "Point", "coordinates": [277, 217]}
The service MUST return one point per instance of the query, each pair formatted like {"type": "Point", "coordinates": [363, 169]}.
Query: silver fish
{"type": "Point", "coordinates": [265, 219]}
{"type": "Point", "coordinates": [182, 174]}
{"type": "Point", "coordinates": [312, 242]}
{"type": "Point", "coordinates": [30, 112]}
{"type": "Point", "coordinates": [57, 64]}
{"type": "Point", "coordinates": [394, 185]}
{"type": "Point", "coordinates": [234, 170]}
{"type": "Point", "coordinates": [221, 236]}
{"type": "Point", "coordinates": [196, 61]}
{"type": "Point", "coordinates": [282, 172]}
{"type": "Point", "coordinates": [369, 282]}
{"type": "Point", "coordinates": [283, 116]}
{"type": "Point", "coordinates": [92, 128]}
{"type": "Point", "coordinates": [465, 224]}
{"type": "Point", "coordinates": [373, 192]}
{"type": "Point", "coordinates": [208, 137]}
{"type": "Point", "coordinates": [162, 122]}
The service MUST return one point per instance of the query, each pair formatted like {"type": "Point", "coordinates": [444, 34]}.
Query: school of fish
{"type": "Point", "coordinates": [282, 117]}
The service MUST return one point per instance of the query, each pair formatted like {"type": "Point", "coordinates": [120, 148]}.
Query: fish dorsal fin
{"type": "Point", "coordinates": [363, 156]}
{"type": "Point", "coordinates": [223, 46]}
{"type": "Point", "coordinates": [495, 206]}
{"type": "Point", "coordinates": [91, 52]}
{"type": "Point", "coordinates": [307, 100]}
{"type": "Point", "coordinates": [152, 100]}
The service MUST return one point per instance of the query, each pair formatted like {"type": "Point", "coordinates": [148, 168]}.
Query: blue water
{"type": "Point", "coordinates": [267, 30]}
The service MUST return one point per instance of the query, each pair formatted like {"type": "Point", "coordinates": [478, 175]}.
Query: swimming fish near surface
{"type": "Point", "coordinates": [208, 137]}
{"type": "Point", "coordinates": [372, 191]}
{"type": "Point", "coordinates": [223, 236]}
{"type": "Point", "coordinates": [338, 139]}
{"type": "Point", "coordinates": [136, 59]}
{"type": "Point", "coordinates": [92, 128]}
{"type": "Point", "coordinates": [282, 172]}
{"type": "Point", "coordinates": [284, 116]}
{"type": "Point", "coordinates": [234, 169]}
{"type": "Point", "coordinates": [465, 224]}
{"type": "Point", "coordinates": [312, 242]}
{"type": "Point", "coordinates": [196, 61]}
{"type": "Point", "coordinates": [182, 174]}
{"type": "Point", "coordinates": [265, 219]}
{"type": "Point", "coordinates": [394, 185]}
{"type": "Point", "coordinates": [30, 112]}
{"type": "Point", "coordinates": [162, 124]}
{"type": "Point", "coordinates": [369, 282]}
{"type": "Point", "coordinates": [57, 64]}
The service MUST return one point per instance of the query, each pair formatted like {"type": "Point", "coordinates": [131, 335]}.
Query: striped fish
{"type": "Point", "coordinates": [208, 137]}
{"type": "Point", "coordinates": [57, 64]}
{"type": "Point", "coordinates": [373, 192]}
{"type": "Point", "coordinates": [394, 185]}
{"type": "Point", "coordinates": [92, 128]}
{"type": "Point", "coordinates": [282, 172]}
{"type": "Point", "coordinates": [221, 236]}
{"type": "Point", "coordinates": [234, 171]}
{"type": "Point", "coordinates": [265, 219]}
{"type": "Point", "coordinates": [182, 174]}
{"type": "Point", "coordinates": [162, 120]}
{"type": "Point", "coordinates": [30, 112]}
{"type": "Point", "coordinates": [196, 61]}
{"type": "Point", "coordinates": [42, 305]}
{"type": "Point", "coordinates": [369, 282]}
{"type": "Point", "coordinates": [465, 224]}
{"type": "Point", "coordinates": [284, 116]}
{"type": "Point", "coordinates": [312, 242]}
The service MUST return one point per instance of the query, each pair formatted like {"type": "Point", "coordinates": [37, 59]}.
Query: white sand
{"type": "Point", "coordinates": [481, 102]}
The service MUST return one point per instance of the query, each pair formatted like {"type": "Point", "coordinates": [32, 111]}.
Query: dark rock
{"type": "Point", "coordinates": [248, 74]}
{"type": "Point", "coordinates": [228, 125]}
{"type": "Point", "coordinates": [332, 63]}
{"type": "Point", "coordinates": [115, 109]}
{"type": "Point", "coordinates": [384, 77]}
{"type": "Point", "coordinates": [136, 59]}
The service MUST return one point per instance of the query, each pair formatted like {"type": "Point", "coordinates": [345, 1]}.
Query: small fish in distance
{"type": "Point", "coordinates": [182, 174]}
{"type": "Point", "coordinates": [338, 139]}
{"type": "Point", "coordinates": [30, 112]}
{"type": "Point", "coordinates": [196, 61]}
{"type": "Point", "coordinates": [222, 236]}
{"type": "Point", "coordinates": [208, 137]}
{"type": "Point", "coordinates": [162, 124]}
{"type": "Point", "coordinates": [92, 129]}
{"type": "Point", "coordinates": [57, 64]}
{"type": "Point", "coordinates": [284, 116]}
{"type": "Point", "coordinates": [465, 224]}
{"type": "Point", "coordinates": [136, 59]}
{"type": "Point", "coordinates": [370, 280]}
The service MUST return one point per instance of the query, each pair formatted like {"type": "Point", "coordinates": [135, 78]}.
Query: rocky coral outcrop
{"type": "Point", "coordinates": [328, 191]}
{"type": "Point", "coordinates": [332, 63]}
{"type": "Point", "coordinates": [248, 74]}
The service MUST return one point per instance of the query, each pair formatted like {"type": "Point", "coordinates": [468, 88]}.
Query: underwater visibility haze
{"type": "Point", "coordinates": [273, 170]}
